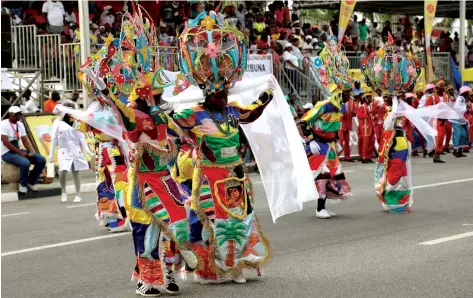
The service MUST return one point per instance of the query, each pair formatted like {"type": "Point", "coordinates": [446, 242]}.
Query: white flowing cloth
{"type": "Point", "coordinates": [423, 118]}
{"type": "Point", "coordinates": [275, 142]}
{"type": "Point", "coordinates": [99, 116]}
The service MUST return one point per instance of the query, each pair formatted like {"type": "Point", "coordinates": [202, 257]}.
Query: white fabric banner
{"type": "Point", "coordinates": [275, 142]}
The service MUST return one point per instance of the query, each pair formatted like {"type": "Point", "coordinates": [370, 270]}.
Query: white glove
{"type": "Point", "coordinates": [99, 82]}
{"type": "Point", "coordinates": [272, 84]}
{"type": "Point", "coordinates": [314, 147]}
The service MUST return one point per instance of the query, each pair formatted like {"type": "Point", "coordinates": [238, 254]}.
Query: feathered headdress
{"type": "Point", "coordinates": [129, 64]}
{"type": "Point", "coordinates": [212, 54]}
{"type": "Point", "coordinates": [333, 66]}
{"type": "Point", "coordinates": [390, 70]}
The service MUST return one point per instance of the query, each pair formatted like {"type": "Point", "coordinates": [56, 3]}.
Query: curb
{"type": "Point", "coordinates": [44, 193]}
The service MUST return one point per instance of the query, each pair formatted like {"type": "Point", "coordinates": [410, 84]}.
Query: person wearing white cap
{"type": "Point", "coordinates": [429, 90]}
{"type": "Point", "coordinates": [70, 143]}
{"type": "Point", "coordinates": [460, 127]}
{"type": "Point", "coordinates": [13, 131]}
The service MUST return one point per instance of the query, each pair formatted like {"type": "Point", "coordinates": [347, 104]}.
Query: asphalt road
{"type": "Point", "coordinates": [363, 252]}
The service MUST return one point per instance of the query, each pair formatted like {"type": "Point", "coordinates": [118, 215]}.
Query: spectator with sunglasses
{"type": "Point", "coordinates": [12, 132]}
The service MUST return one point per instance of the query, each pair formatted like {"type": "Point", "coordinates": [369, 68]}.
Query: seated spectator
{"type": "Point", "coordinates": [31, 106]}
{"type": "Point", "coordinates": [263, 43]}
{"type": "Point", "coordinates": [258, 25]}
{"type": "Point", "coordinates": [13, 131]}
{"type": "Point", "coordinates": [307, 46]}
{"type": "Point", "coordinates": [55, 14]}
{"type": "Point", "coordinates": [283, 40]}
{"type": "Point", "coordinates": [51, 103]}
{"type": "Point", "coordinates": [72, 102]}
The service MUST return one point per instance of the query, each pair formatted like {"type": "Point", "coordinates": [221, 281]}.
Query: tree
{"type": "Point", "coordinates": [233, 232]}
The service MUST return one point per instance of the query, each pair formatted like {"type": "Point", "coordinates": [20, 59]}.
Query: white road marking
{"type": "Point", "coordinates": [467, 224]}
{"type": "Point", "coordinates": [81, 205]}
{"type": "Point", "coordinates": [442, 183]}
{"type": "Point", "coordinates": [15, 214]}
{"type": "Point", "coordinates": [16, 252]}
{"type": "Point", "coordinates": [446, 239]}
{"type": "Point", "coordinates": [257, 182]}
{"type": "Point", "coordinates": [349, 171]}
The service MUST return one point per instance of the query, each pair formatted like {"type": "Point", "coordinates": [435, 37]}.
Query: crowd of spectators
{"type": "Point", "coordinates": [276, 26]}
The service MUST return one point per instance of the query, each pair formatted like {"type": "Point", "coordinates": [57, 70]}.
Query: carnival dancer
{"type": "Point", "coordinates": [71, 144]}
{"type": "Point", "coordinates": [348, 112]}
{"type": "Point", "coordinates": [320, 126]}
{"type": "Point", "coordinates": [110, 170]}
{"type": "Point", "coordinates": [438, 97]}
{"type": "Point", "coordinates": [225, 232]}
{"type": "Point", "coordinates": [379, 112]}
{"type": "Point", "coordinates": [460, 127]}
{"type": "Point", "coordinates": [365, 131]}
{"type": "Point", "coordinates": [134, 82]}
{"type": "Point", "coordinates": [469, 117]}
{"type": "Point", "coordinates": [429, 90]}
{"type": "Point", "coordinates": [450, 101]}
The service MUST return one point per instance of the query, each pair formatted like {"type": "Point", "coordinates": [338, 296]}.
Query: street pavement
{"type": "Point", "coordinates": [49, 249]}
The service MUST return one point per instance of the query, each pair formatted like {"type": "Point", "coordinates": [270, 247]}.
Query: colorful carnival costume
{"type": "Point", "coordinates": [225, 232]}
{"type": "Point", "coordinates": [125, 73]}
{"type": "Point", "coordinates": [322, 123]}
{"type": "Point", "coordinates": [392, 71]}
{"type": "Point", "coordinates": [393, 170]}
{"type": "Point", "coordinates": [461, 138]}
{"type": "Point", "coordinates": [320, 126]}
{"type": "Point", "coordinates": [110, 171]}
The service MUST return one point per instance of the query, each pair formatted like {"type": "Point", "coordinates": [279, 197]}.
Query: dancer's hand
{"type": "Point", "coordinates": [272, 84]}
{"type": "Point", "coordinates": [99, 82]}
{"type": "Point", "coordinates": [50, 159]}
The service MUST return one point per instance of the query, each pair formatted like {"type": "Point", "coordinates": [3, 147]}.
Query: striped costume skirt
{"type": "Point", "coordinates": [460, 134]}
{"type": "Point", "coordinates": [328, 174]}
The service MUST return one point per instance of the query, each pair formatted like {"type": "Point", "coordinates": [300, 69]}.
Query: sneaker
{"type": "Point", "coordinates": [322, 214]}
{"type": "Point", "coordinates": [22, 189]}
{"type": "Point", "coordinates": [142, 290]}
{"type": "Point", "coordinates": [63, 197]}
{"type": "Point", "coordinates": [171, 285]}
{"type": "Point", "coordinates": [190, 258]}
{"type": "Point", "coordinates": [33, 187]}
{"type": "Point", "coordinates": [239, 279]}
{"type": "Point", "coordinates": [77, 199]}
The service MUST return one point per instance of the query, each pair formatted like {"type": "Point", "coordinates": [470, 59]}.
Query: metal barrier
{"type": "Point", "coordinates": [70, 56]}
{"type": "Point", "coordinates": [50, 56]}
{"type": "Point", "coordinates": [24, 47]}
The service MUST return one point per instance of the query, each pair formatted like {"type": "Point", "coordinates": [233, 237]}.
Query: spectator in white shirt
{"type": "Point", "coordinates": [72, 102]}
{"type": "Point", "coordinates": [70, 17]}
{"type": "Point", "coordinates": [14, 132]}
{"type": "Point", "coordinates": [31, 105]}
{"type": "Point", "coordinates": [240, 14]}
{"type": "Point", "coordinates": [307, 46]}
{"type": "Point", "coordinates": [291, 66]}
{"type": "Point", "coordinates": [55, 13]}
{"type": "Point", "coordinates": [295, 48]}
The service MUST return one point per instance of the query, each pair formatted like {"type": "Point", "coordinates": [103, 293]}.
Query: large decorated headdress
{"type": "Point", "coordinates": [333, 66]}
{"type": "Point", "coordinates": [129, 64]}
{"type": "Point", "coordinates": [390, 70]}
{"type": "Point", "coordinates": [212, 54]}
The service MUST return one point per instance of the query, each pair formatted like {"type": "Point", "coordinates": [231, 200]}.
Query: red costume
{"type": "Point", "coordinates": [379, 112]}
{"type": "Point", "coordinates": [448, 125]}
{"type": "Point", "coordinates": [469, 117]}
{"type": "Point", "coordinates": [365, 131]}
{"type": "Point", "coordinates": [349, 111]}
{"type": "Point", "coordinates": [441, 123]}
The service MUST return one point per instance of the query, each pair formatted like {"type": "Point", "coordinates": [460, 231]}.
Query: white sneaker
{"type": "Point", "coordinates": [63, 197]}
{"type": "Point", "coordinates": [322, 214]}
{"type": "Point", "coordinates": [22, 189]}
{"type": "Point", "coordinates": [33, 187]}
{"type": "Point", "coordinates": [239, 279]}
{"type": "Point", "coordinates": [190, 258]}
{"type": "Point", "coordinates": [77, 199]}
{"type": "Point", "coordinates": [331, 213]}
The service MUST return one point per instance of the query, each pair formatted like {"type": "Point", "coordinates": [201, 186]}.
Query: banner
{"type": "Point", "coordinates": [346, 10]}
{"type": "Point", "coordinates": [429, 18]}
{"type": "Point", "coordinates": [39, 130]}
{"type": "Point", "coordinates": [259, 65]}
